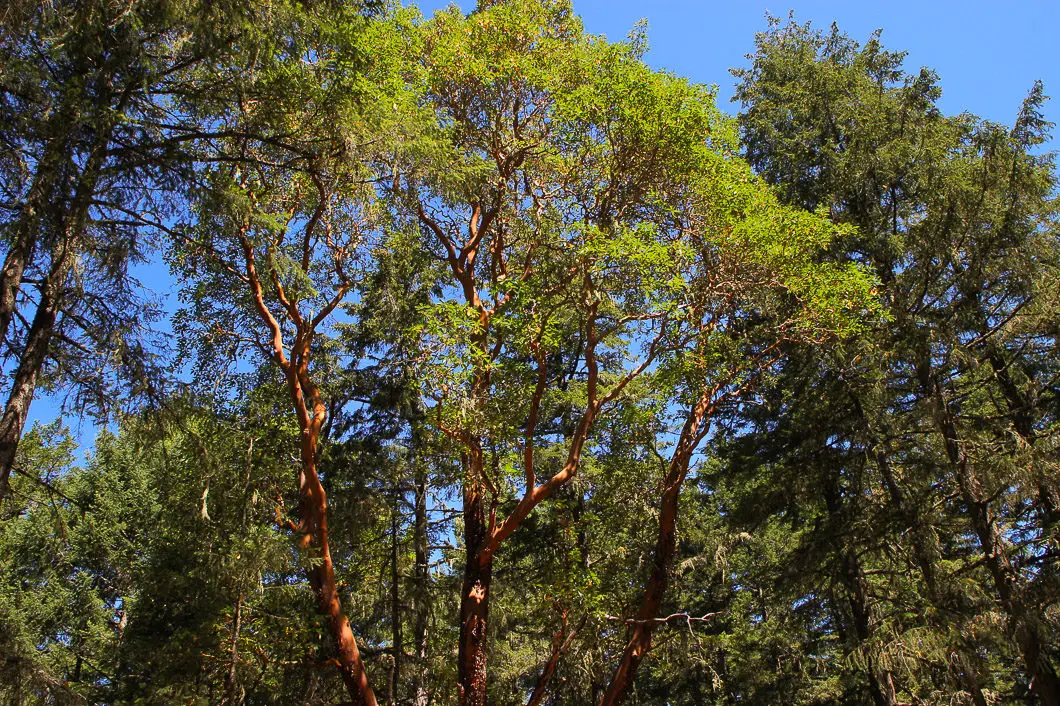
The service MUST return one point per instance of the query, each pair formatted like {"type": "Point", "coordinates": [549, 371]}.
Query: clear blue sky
{"type": "Point", "coordinates": [988, 54]}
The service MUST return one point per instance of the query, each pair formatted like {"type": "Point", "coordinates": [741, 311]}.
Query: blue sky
{"type": "Point", "coordinates": [988, 54]}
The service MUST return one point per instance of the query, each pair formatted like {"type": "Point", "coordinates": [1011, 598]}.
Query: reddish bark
{"type": "Point", "coordinates": [560, 642]}
{"type": "Point", "coordinates": [478, 568]}
{"type": "Point", "coordinates": [697, 423]}
{"type": "Point", "coordinates": [483, 538]}
{"type": "Point", "coordinates": [322, 579]}
{"type": "Point", "coordinates": [474, 599]}
{"type": "Point", "coordinates": [312, 500]}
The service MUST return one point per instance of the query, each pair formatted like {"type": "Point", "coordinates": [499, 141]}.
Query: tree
{"type": "Point", "coordinates": [576, 195]}
{"type": "Point", "coordinates": [953, 217]}
{"type": "Point", "coordinates": [755, 290]}
{"type": "Point", "coordinates": [90, 169]}
{"type": "Point", "coordinates": [154, 571]}
{"type": "Point", "coordinates": [580, 407]}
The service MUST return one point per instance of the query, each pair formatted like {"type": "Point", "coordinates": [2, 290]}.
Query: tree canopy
{"type": "Point", "coordinates": [507, 369]}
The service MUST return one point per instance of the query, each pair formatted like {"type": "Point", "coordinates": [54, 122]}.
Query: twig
{"type": "Point", "coordinates": [675, 616]}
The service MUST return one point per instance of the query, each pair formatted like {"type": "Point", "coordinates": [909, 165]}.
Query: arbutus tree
{"type": "Point", "coordinates": [755, 289]}
{"type": "Point", "coordinates": [571, 196]}
{"type": "Point", "coordinates": [580, 409]}
{"type": "Point", "coordinates": [284, 224]}
{"type": "Point", "coordinates": [284, 257]}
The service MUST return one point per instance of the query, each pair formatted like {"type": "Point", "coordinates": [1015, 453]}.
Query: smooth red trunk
{"type": "Point", "coordinates": [322, 579]}
{"type": "Point", "coordinates": [639, 642]}
{"type": "Point", "coordinates": [313, 507]}
{"type": "Point", "coordinates": [312, 500]}
{"type": "Point", "coordinates": [641, 629]}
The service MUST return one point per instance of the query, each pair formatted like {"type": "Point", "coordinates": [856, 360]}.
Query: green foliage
{"type": "Point", "coordinates": [953, 215]}
{"type": "Point", "coordinates": [442, 228]}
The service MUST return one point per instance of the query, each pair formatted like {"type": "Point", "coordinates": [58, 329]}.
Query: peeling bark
{"type": "Point", "coordinates": [474, 599]}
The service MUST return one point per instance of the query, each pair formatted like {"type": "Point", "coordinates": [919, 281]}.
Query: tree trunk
{"type": "Point", "coordinates": [852, 578]}
{"type": "Point", "coordinates": [19, 254]}
{"type": "Point", "coordinates": [313, 507]}
{"type": "Point", "coordinates": [40, 198]}
{"type": "Point", "coordinates": [65, 243]}
{"type": "Point", "coordinates": [969, 677]}
{"type": "Point", "coordinates": [1020, 410]}
{"type": "Point", "coordinates": [641, 630]}
{"type": "Point", "coordinates": [233, 692]}
{"type": "Point", "coordinates": [1021, 407]}
{"type": "Point", "coordinates": [421, 606]}
{"type": "Point", "coordinates": [849, 574]}
{"type": "Point", "coordinates": [695, 428]}
{"type": "Point", "coordinates": [560, 642]}
{"type": "Point", "coordinates": [38, 340]}
{"type": "Point", "coordinates": [925, 548]}
{"type": "Point", "coordinates": [312, 498]}
{"type": "Point", "coordinates": [474, 601]}
{"type": "Point", "coordinates": [395, 602]}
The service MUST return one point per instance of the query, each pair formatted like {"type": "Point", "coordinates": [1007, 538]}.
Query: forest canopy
{"type": "Point", "coordinates": [506, 369]}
